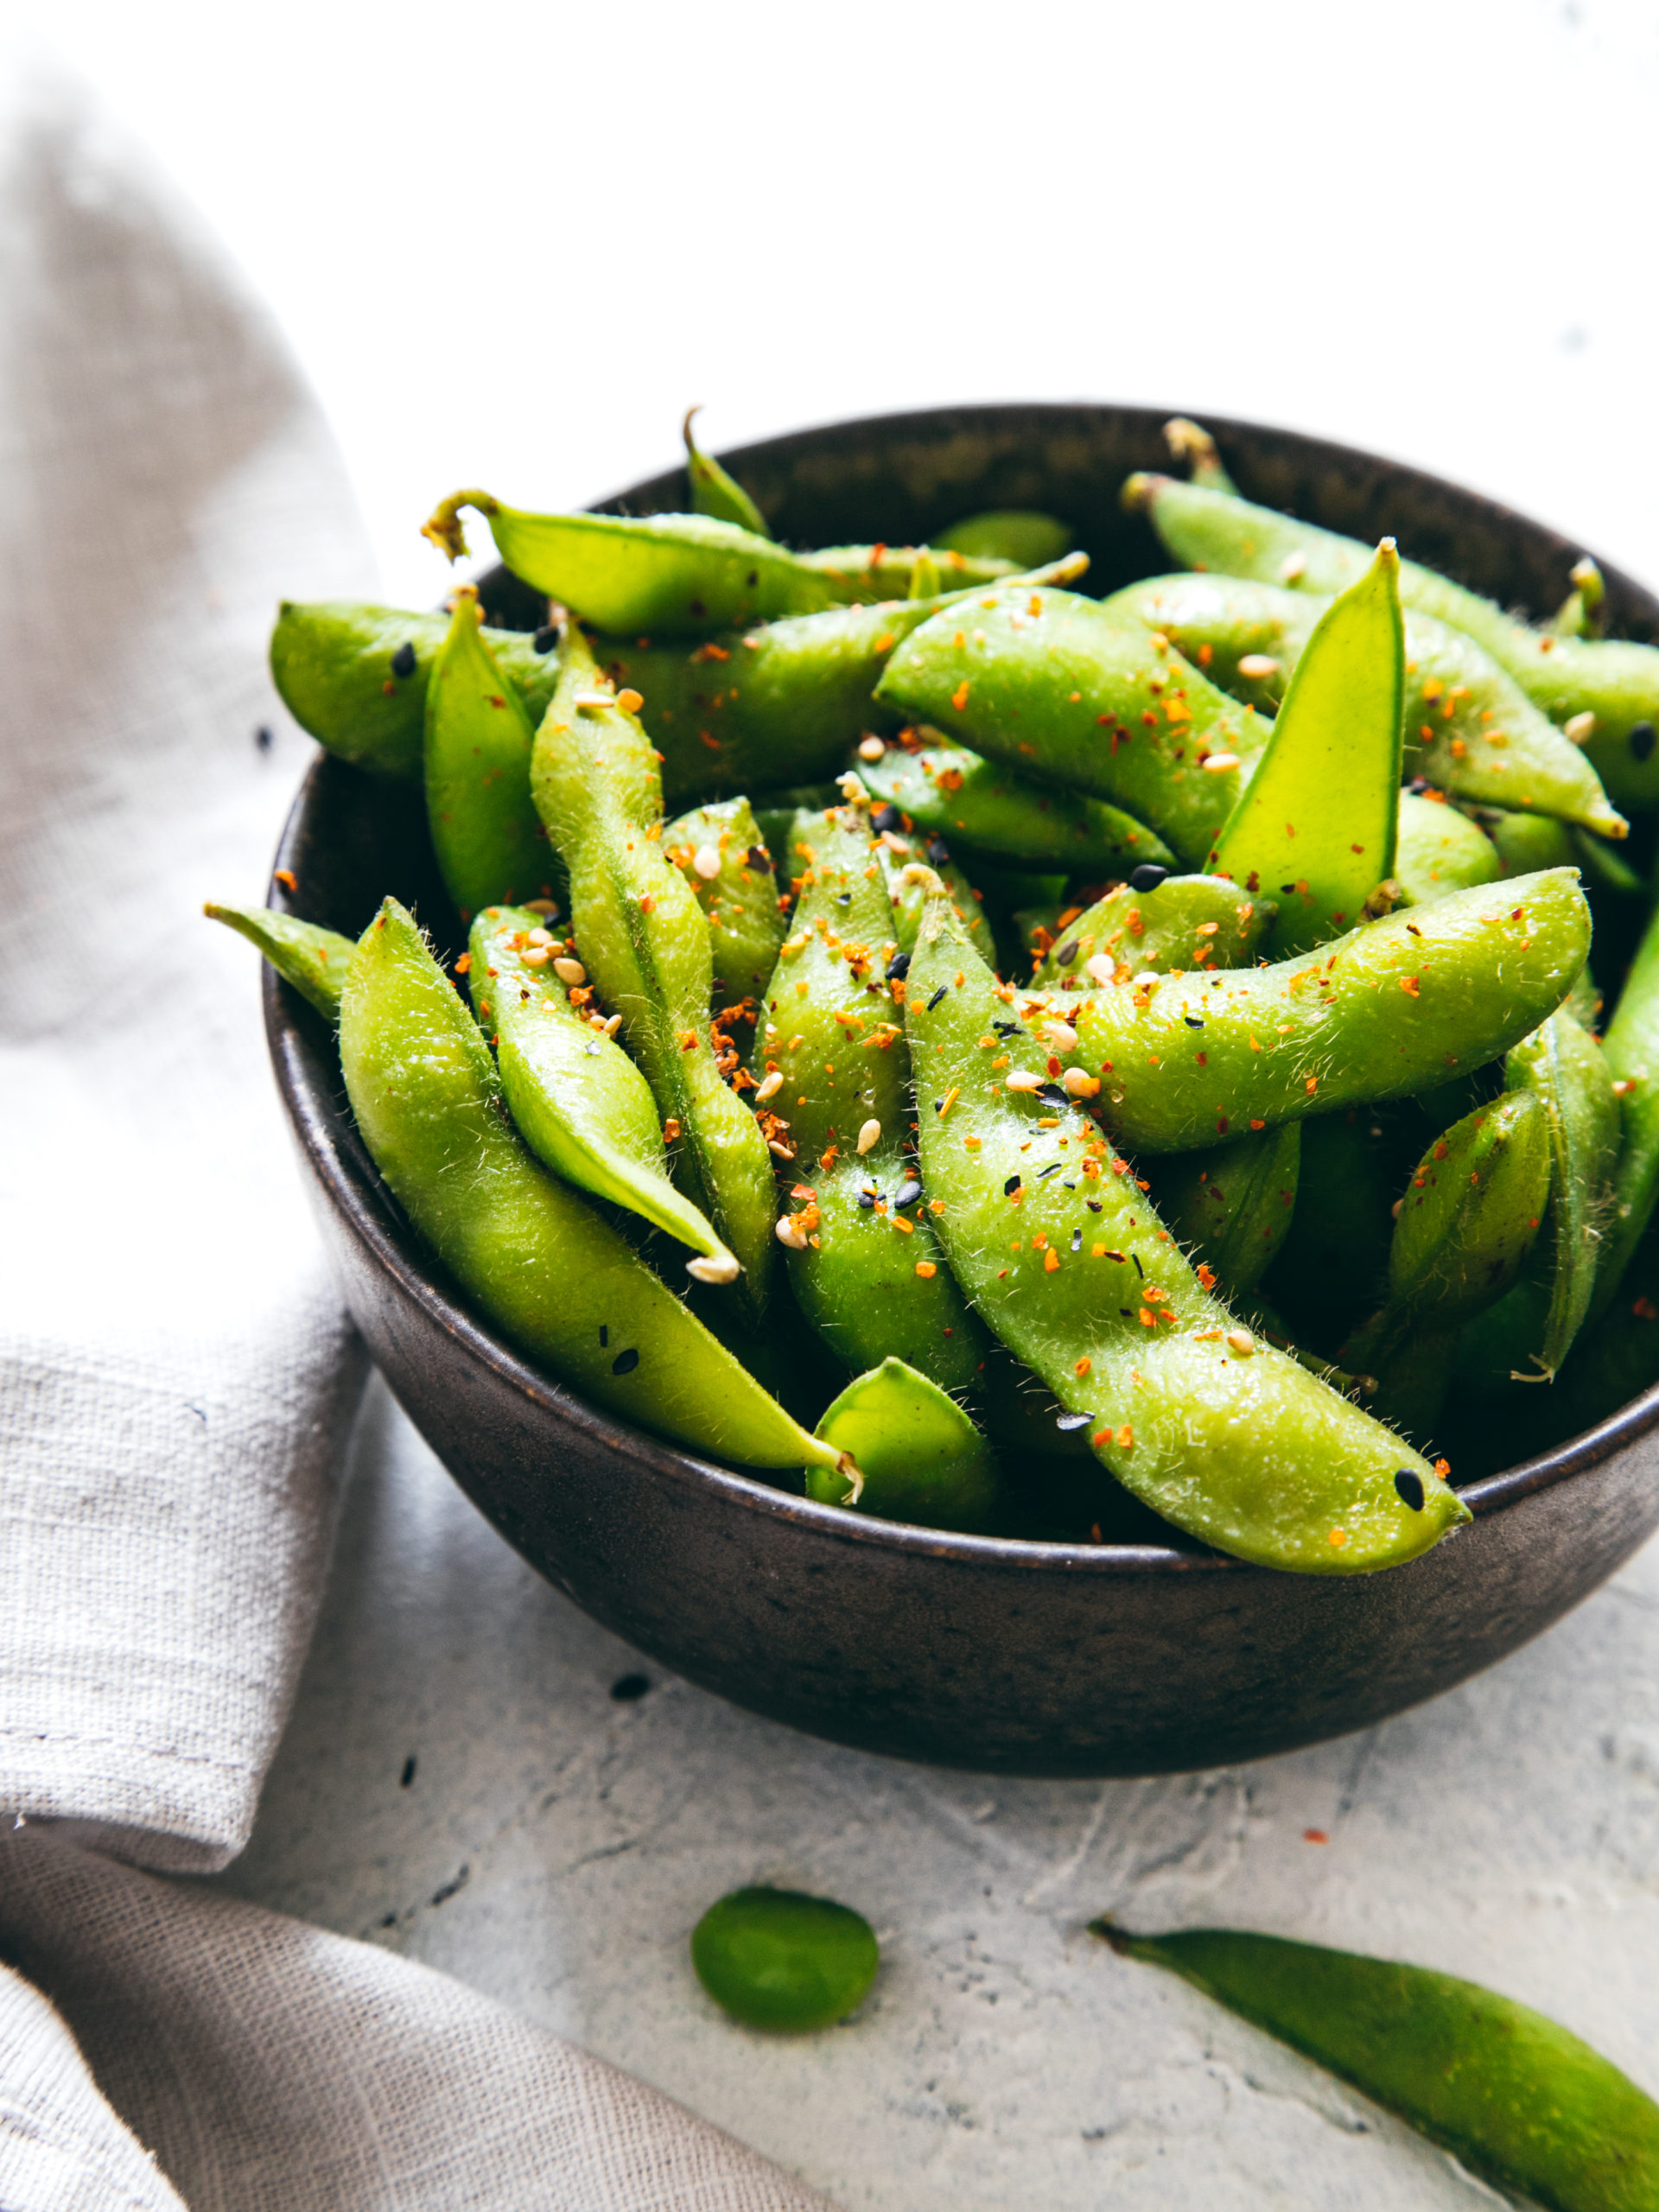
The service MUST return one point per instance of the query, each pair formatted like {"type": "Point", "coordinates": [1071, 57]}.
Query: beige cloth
{"type": "Point", "coordinates": [175, 1375]}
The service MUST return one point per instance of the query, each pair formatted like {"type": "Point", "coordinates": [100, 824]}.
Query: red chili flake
{"type": "Point", "coordinates": [1206, 1275]}
{"type": "Point", "coordinates": [959, 696]}
{"type": "Point", "coordinates": [285, 877]}
{"type": "Point", "coordinates": [1314, 1835]}
{"type": "Point", "coordinates": [1408, 984]}
{"type": "Point", "coordinates": [1645, 1310]}
{"type": "Point", "coordinates": [463, 966]}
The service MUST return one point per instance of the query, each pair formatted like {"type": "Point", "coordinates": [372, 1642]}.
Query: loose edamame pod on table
{"type": "Point", "coordinates": [531, 1255]}
{"type": "Point", "coordinates": [1612, 682]}
{"type": "Point", "coordinates": [1051, 1236]}
{"type": "Point", "coordinates": [489, 843]}
{"type": "Point", "coordinates": [832, 1063]}
{"type": "Point", "coordinates": [1322, 806]}
{"type": "Point", "coordinates": [1518, 2100]}
{"type": "Point", "coordinates": [1389, 1010]}
{"type": "Point", "coordinates": [778, 1959]}
{"type": "Point", "coordinates": [577, 1098]}
{"type": "Point", "coordinates": [1071, 693]}
{"type": "Point", "coordinates": [354, 676]}
{"type": "Point", "coordinates": [720, 851]}
{"type": "Point", "coordinates": [645, 941]}
{"type": "Point", "coordinates": [990, 809]}
{"type": "Point", "coordinates": [918, 1456]}
{"type": "Point", "coordinates": [1469, 727]}
{"type": "Point", "coordinates": [1563, 1067]}
{"type": "Point", "coordinates": [1153, 923]}
{"type": "Point", "coordinates": [714, 492]}
{"type": "Point", "coordinates": [313, 959]}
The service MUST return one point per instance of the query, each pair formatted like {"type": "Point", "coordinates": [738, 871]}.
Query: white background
{"type": "Point", "coordinates": [510, 245]}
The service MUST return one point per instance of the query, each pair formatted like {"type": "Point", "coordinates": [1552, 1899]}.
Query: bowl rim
{"type": "Point", "coordinates": [287, 1016]}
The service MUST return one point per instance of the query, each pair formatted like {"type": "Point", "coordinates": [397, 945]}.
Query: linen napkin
{"type": "Point", "coordinates": [176, 1376]}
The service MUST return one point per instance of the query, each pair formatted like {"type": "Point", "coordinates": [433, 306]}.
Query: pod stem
{"type": "Point", "coordinates": [443, 527]}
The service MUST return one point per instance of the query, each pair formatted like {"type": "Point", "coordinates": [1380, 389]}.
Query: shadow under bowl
{"type": "Point", "coordinates": [1005, 1657]}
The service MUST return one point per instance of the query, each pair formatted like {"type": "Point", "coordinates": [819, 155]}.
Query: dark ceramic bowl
{"type": "Point", "coordinates": [1011, 1658]}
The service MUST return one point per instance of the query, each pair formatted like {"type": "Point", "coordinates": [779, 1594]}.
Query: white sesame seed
{"type": "Point", "coordinates": [721, 1269]}
{"type": "Point", "coordinates": [787, 1233]}
{"type": "Point", "coordinates": [570, 971]}
{"type": "Point", "coordinates": [1219, 763]}
{"type": "Point", "coordinates": [1242, 1342]}
{"type": "Point", "coordinates": [871, 749]}
{"type": "Point", "coordinates": [706, 860]}
{"type": "Point", "coordinates": [1257, 666]}
{"type": "Point", "coordinates": [1581, 729]}
{"type": "Point", "coordinates": [869, 1136]}
{"type": "Point", "coordinates": [1025, 1083]}
{"type": "Point", "coordinates": [1100, 967]}
{"type": "Point", "coordinates": [1061, 1036]}
{"type": "Point", "coordinates": [769, 1086]}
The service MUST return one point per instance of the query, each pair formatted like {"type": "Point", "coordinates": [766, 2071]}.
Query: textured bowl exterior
{"type": "Point", "coordinates": [964, 1651]}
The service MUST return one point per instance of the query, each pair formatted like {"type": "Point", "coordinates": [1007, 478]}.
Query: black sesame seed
{"type": "Point", "coordinates": [885, 817]}
{"type": "Point", "coordinates": [909, 1191]}
{"type": "Point", "coordinates": [1052, 1094]}
{"type": "Point", "coordinates": [403, 661]}
{"type": "Point", "coordinates": [1288, 888]}
{"type": "Point", "coordinates": [1642, 741]}
{"type": "Point", "coordinates": [264, 737]}
{"type": "Point", "coordinates": [1069, 1421]}
{"type": "Point", "coordinates": [938, 852]}
{"type": "Point", "coordinates": [624, 1363]}
{"type": "Point", "coordinates": [545, 638]}
{"type": "Point", "coordinates": [1148, 876]}
{"type": "Point", "coordinates": [1139, 1269]}
{"type": "Point", "coordinates": [627, 1689]}
{"type": "Point", "coordinates": [1077, 1240]}
{"type": "Point", "coordinates": [1009, 1029]}
{"type": "Point", "coordinates": [1067, 954]}
{"type": "Point", "coordinates": [604, 1335]}
{"type": "Point", "coordinates": [754, 578]}
{"type": "Point", "coordinates": [1410, 1487]}
{"type": "Point", "coordinates": [937, 997]}
{"type": "Point", "coordinates": [1052, 1169]}
{"type": "Point", "coordinates": [407, 1777]}
{"type": "Point", "coordinates": [1068, 1186]}
{"type": "Point", "coordinates": [759, 857]}
{"type": "Point", "coordinates": [866, 1199]}
{"type": "Point", "coordinates": [844, 897]}
{"type": "Point", "coordinates": [1011, 1186]}
{"type": "Point", "coordinates": [1193, 1020]}
{"type": "Point", "coordinates": [897, 966]}
{"type": "Point", "coordinates": [1126, 1311]}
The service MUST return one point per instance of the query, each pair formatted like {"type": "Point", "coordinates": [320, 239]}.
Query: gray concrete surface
{"type": "Point", "coordinates": [459, 1783]}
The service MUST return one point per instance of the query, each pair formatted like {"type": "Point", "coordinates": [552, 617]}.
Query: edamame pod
{"type": "Point", "coordinates": [858, 573]}
{"type": "Point", "coordinates": [1147, 927]}
{"type": "Point", "coordinates": [1051, 1238]}
{"type": "Point", "coordinates": [1331, 1270]}
{"type": "Point", "coordinates": [1438, 850]}
{"type": "Point", "coordinates": [1564, 1067]}
{"type": "Point", "coordinates": [1231, 1205]}
{"type": "Point", "coordinates": [1631, 1052]}
{"type": "Point", "coordinates": [1385, 1012]}
{"type": "Point", "coordinates": [1583, 613]}
{"type": "Point", "coordinates": [489, 843]}
{"type": "Point", "coordinates": [354, 676]}
{"type": "Point", "coordinates": [1526, 843]}
{"type": "Point", "coordinates": [1518, 2100]}
{"type": "Point", "coordinates": [579, 1102]}
{"type": "Point", "coordinates": [832, 1064]}
{"type": "Point", "coordinates": [314, 960]}
{"type": "Point", "coordinates": [720, 851]}
{"type": "Point", "coordinates": [950, 792]}
{"type": "Point", "coordinates": [1469, 727]}
{"type": "Point", "coordinates": [1611, 681]}
{"type": "Point", "coordinates": [1071, 693]}
{"type": "Point", "coordinates": [644, 939]}
{"type": "Point", "coordinates": [1019, 535]}
{"type": "Point", "coordinates": [906, 898]}
{"type": "Point", "coordinates": [714, 492]}
{"type": "Point", "coordinates": [1322, 806]}
{"type": "Point", "coordinates": [534, 1258]}
{"type": "Point", "coordinates": [917, 1456]}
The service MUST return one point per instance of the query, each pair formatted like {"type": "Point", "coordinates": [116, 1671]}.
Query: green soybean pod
{"type": "Point", "coordinates": [1072, 693]}
{"type": "Point", "coordinates": [1438, 850]}
{"type": "Point", "coordinates": [1019, 534]}
{"type": "Point", "coordinates": [777, 1958]}
{"type": "Point", "coordinates": [1322, 807]}
{"type": "Point", "coordinates": [907, 900]}
{"type": "Point", "coordinates": [528, 1252]}
{"type": "Point", "coordinates": [314, 960]}
{"type": "Point", "coordinates": [1520, 2101]}
{"type": "Point", "coordinates": [720, 851]}
{"type": "Point", "coordinates": [1154, 923]}
{"type": "Point", "coordinates": [1604, 691]}
{"type": "Point", "coordinates": [354, 676]}
{"type": "Point", "coordinates": [490, 846]}
{"type": "Point", "coordinates": [990, 809]}
{"type": "Point", "coordinates": [577, 1099]}
{"type": "Point", "coordinates": [917, 1456]}
{"type": "Point", "coordinates": [713, 491]}
{"type": "Point", "coordinates": [1387, 1011]}
{"type": "Point", "coordinates": [858, 573]}
{"type": "Point", "coordinates": [645, 940]}
{"type": "Point", "coordinates": [1631, 1048]}
{"type": "Point", "coordinates": [1583, 613]}
{"type": "Point", "coordinates": [1052, 1239]}
{"type": "Point", "coordinates": [1231, 1205]}
{"type": "Point", "coordinates": [1562, 1064]}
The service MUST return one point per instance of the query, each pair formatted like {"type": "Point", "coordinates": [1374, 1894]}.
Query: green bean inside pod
{"type": "Point", "coordinates": [1049, 1235]}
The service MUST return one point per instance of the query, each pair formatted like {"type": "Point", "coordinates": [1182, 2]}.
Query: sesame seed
{"type": "Point", "coordinates": [871, 749]}
{"type": "Point", "coordinates": [403, 661]}
{"type": "Point", "coordinates": [624, 1363]}
{"type": "Point", "coordinates": [869, 1136]}
{"type": "Point", "coordinates": [1256, 668]}
{"type": "Point", "coordinates": [1409, 1484]}
{"type": "Point", "coordinates": [570, 971]}
{"type": "Point", "coordinates": [937, 997]}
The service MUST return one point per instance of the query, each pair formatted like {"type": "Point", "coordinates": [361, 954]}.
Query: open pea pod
{"type": "Point", "coordinates": [917, 1456]}
{"type": "Point", "coordinates": [490, 844]}
{"type": "Point", "coordinates": [1516, 2098]}
{"type": "Point", "coordinates": [713, 491]}
{"type": "Point", "coordinates": [1319, 819]}
{"type": "Point", "coordinates": [990, 809]}
{"type": "Point", "coordinates": [720, 851]}
{"type": "Point", "coordinates": [1562, 1064]}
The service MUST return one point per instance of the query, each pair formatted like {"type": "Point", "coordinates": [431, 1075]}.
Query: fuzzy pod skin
{"type": "Point", "coordinates": [1631, 1048]}
{"type": "Point", "coordinates": [1019, 534]}
{"type": "Point", "coordinates": [1331, 1272]}
{"type": "Point", "coordinates": [1615, 681]}
{"type": "Point", "coordinates": [918, 1456]}
{"type": "Point", "coordinates": [832, 1030]}
{"type": "Point", "coordinates": [1232, 1205]}
{"type": "Point", "coordinates": [713, 491]}
{"type": "Point", "coordinates": [577, 1099]}
{"type": "Point", "coordinates": [1518, 2100]}
{"type": "Point", "coordinates": [645, 940]}
{"type": "Point", "coordinates": [1564, 1068]}
{"type": "Point", "coordinates": [1469, 727]}
{"type": "Point", "coordinates": [989, 808]}
{"type": "Point", "coordinates": [908, 900]}
{"type": "Point", "coordinates": [740, 899]}
{"type": "Point", "coordinates": [314, 960]}
{"type": "Point", "coordinates": [354, 676]}
{"type": "Point", "coordinates": [1071, 693]}
{"type": "Point", "coordinates": [1321, 808]}
{"type": "Point", "coordinates": [1185, 922]}
{"type": "Point", "coordinates": [1438, 850]}
{"type": "Point", "coordinates": [489, 842]}
{"type": "Point", "coordinates": [859, 573]}
{"type": "Point", "coordinates": [529, 1254]}
{"type": "Point", "coordinates": [1389, 1010]}
{"type": "Point", "coordinates": [1051, 1237]}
